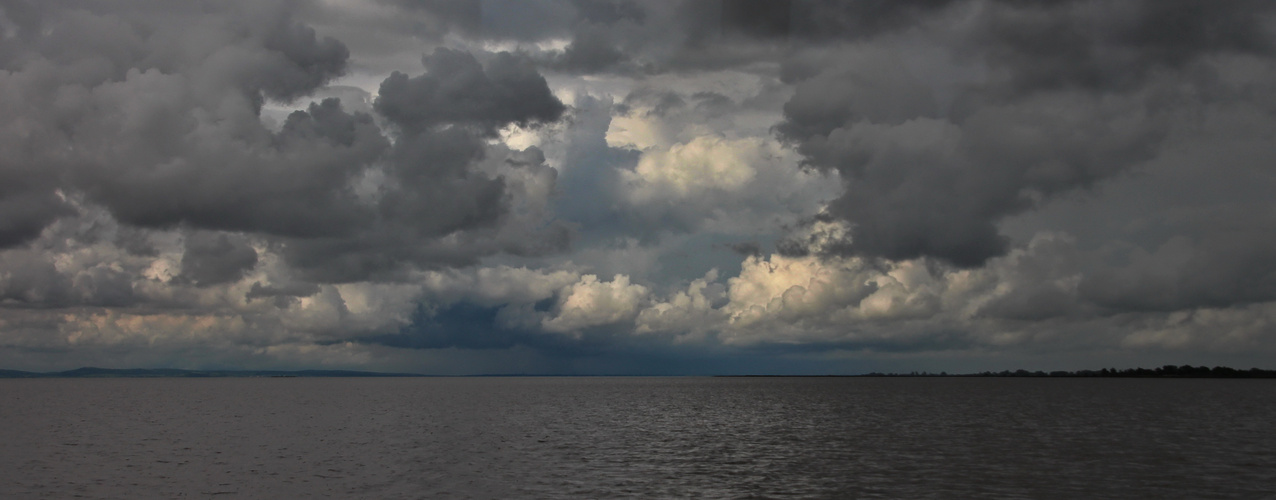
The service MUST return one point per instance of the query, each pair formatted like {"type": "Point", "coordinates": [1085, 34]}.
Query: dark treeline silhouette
{"type": "Point", "coordinates": [1167, 371]}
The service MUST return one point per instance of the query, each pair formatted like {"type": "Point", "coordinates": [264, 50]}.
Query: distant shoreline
{"type": "Point", "coordinates": [91, 372]}
{"type": "Point", "coordinates": [1168, 371]}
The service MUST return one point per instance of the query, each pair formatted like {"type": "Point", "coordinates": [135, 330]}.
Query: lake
{"type": "Point", "coordinates": [607, 437]}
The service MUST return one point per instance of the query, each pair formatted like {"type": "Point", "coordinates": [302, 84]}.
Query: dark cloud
{"type": "Point", "coordinates": [26, 213]}
{"type": "Point", "coordinates": [216, 258]}
{"type": "Point", "coordinates": [660, 102]}
{"type": "Point", "coordinates": [610, 11]}
{"type": "Point", "coordinates": [311, 61]}
{"type": "Point", "coordinates": [465, 16]}
{"type": "Point", "coordinates": [1073, 98]}
{"type": "Point", "coordinates": [456, 89]}
{"type": "Point", "coordinates": [135, 241]}
{"type": "Point", "coordinates": [293, 183]}
{"type": "Point", "coordinates": [461, 325]}
{"type": "Point", "coordinates": [288, 290]}
{"type": "Point", "coordinates": [696, 35]}
{"type": "Point", "coordinates": [436, 209]}
{"type": "Point", "coordinates": [1013, 174]}
{"type": "Point", "coordinates": [610, 36]}
{"type": "Point", "coordinates": [712, 103]}
{"type": "Point", "coordinates": [757, 18]}
{"type": "Point", "coordinates": [935, 188]}
{"type": "Point", "coordinates": [1216, 269]}
{"type": "Point", "coordinates": [154, 113]}
{"type": "Point", "coordinates": [31, 280]}
{"type": "Point", "coordinates": [1041, 281]}
{"type": "Point", "coordinates": [470, 326]}
{"type": "Point", "coordinates": [282, 296]}
{"type": "Point", "coordinates": [1114, 45]}
{"type": "Point", "coordinates": [535, 20]}
{"type": "Point", "coordinates": [819, 20]}
{"type": "Point", "coordinates": [433, 207]}
{"type": "Point", "coordinates": [591, 51]}
{"type": "Point", "coordinates": [746, 248]}
{"type": "Point", "coordinates": [527, 20]}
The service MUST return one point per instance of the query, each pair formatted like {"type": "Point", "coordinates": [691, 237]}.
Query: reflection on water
{"type": "Point", "coordinates": [637, 438]}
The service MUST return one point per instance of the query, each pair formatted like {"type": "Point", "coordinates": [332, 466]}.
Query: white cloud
{"type": "Point", "coordinates": [793, 298]}
{"type": "Point", "coordinates": [707, 163]}
{"type": "Point", "coordinates": [688, 314]}
{"type": "Point", "coordinates": [809, 298]}
{"type": "Point", "coordinates": [590, 302]}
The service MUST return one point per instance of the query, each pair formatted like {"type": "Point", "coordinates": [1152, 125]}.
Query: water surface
{"type": "Point", "coordinates": [637, 438]}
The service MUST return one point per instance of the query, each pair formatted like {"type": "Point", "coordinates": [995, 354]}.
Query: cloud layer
{"type": "Point", "coordinates": [562, 185]}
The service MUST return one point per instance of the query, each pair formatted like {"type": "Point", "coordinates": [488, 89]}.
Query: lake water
{"type": "Point", "coordinates": [287, 438]}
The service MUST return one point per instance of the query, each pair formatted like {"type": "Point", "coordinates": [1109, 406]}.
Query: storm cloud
{"type": "Point", "coordinates": [1071, 93]}
{"type": "Point", "coordinates": [562, 184]}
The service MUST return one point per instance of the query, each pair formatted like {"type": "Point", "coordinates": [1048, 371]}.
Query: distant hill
{"type": "Point", "coordinates": [91, 372]}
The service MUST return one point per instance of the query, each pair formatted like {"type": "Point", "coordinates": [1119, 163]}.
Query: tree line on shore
{"type": "Point", "coordinates": [1167, 371]}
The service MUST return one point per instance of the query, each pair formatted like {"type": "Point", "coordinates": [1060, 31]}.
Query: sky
{"type": "Point", "coordinates": [637, 187]}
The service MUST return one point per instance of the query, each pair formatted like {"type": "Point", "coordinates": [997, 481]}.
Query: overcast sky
{"type": "Point", "coordinates": [615, 186]}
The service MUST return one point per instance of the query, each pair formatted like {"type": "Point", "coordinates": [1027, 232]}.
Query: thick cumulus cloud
{"type": "Point", "coordinates": [139, 170]}
{"type": "Point", "coordinates": [591, 302]}
{"type": "Point", "coordinates": [442, 194]}
{"type": "Point", "coordinates": [158, 120]}
{"type": "Point", "coordinates": [154, 114]}
{"type": "Point", "coordinates": [866, 303]}
{"type": "Point", "coordinates": [1071, 93]}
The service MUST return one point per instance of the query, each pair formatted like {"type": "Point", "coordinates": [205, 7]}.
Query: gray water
{"type": "Point", "coordinates": [637, 438]}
